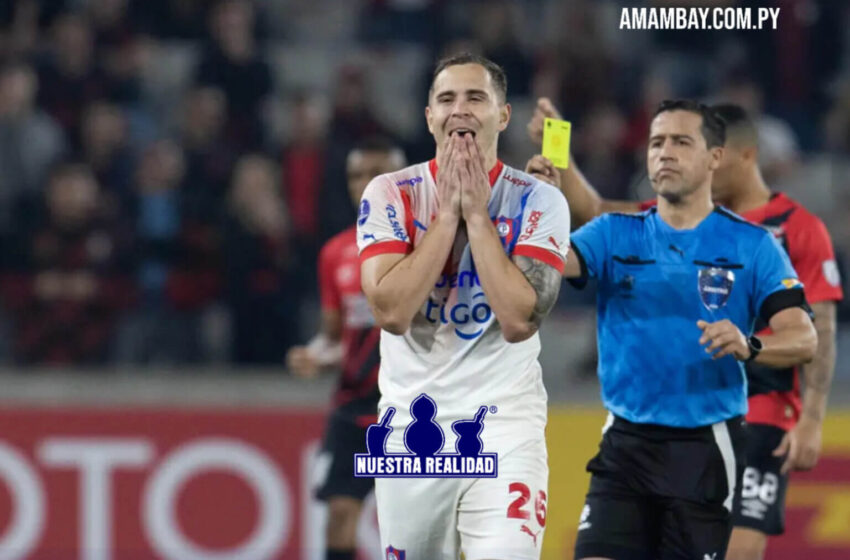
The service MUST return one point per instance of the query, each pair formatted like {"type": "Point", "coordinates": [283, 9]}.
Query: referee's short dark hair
{"type": "Point", "coordinates": [713, 128]}
{"type": "Point", "coordinates": [738, 123]}
{"type": "Point", "coordinates": [497, 73]}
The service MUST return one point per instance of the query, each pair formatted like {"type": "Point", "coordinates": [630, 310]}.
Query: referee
{"type": "Point", "coordinates": [680, 287]}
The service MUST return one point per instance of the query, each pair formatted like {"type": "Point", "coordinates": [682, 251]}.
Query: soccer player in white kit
{"type": "Point", "coordinates": [461, 259]}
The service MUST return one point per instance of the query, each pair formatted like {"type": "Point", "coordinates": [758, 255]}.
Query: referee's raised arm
{"type": "Point", "coordinates": [585, 201]}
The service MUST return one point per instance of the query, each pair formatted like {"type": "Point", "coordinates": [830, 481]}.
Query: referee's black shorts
{"type": "Point", "coordinates": [662, 493]}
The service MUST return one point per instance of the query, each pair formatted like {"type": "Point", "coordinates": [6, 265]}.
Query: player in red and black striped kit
{"type": "Point", "coordinates": [348, 339]}
{"type": "Point", "coordinates": [784, 431]}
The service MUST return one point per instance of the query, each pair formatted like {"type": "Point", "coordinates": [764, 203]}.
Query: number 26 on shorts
{"type": "Point", "coordinates": [517, 508]}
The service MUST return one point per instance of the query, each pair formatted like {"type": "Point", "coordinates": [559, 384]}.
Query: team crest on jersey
{"type": "Point", "coordinates": [424, 440]}
{"type": "Point", "coordinates": [395, 554]}
{"type": "Point", "coordinates": [508, 229]}
{"type": "Point", "coordinates": [503, 229]}
{"type": "Point", "coordinates": [715, 285]}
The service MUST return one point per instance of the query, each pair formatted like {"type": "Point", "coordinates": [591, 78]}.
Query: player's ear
{"type": "Point", "coordinates": [750, 153]}
{"type": "Point", "coordinates": [504, 116]}
{"type": "Point", "coordinates": [429, 119]}
{"type": "Point", "coordinates": [716, 154]}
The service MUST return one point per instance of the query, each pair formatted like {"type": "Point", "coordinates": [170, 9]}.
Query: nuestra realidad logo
{"type": "Point", "coordinates": [424, 440]}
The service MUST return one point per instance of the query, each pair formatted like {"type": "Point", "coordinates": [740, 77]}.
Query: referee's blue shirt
{"type": "Point", "coordinates": [654, 283]}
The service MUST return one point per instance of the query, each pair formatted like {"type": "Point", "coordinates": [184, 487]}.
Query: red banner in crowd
{"type": "Point", "coordinates": [155, 484]}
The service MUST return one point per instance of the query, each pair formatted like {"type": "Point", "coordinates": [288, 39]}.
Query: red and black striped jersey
{"type": "Point", "coordinates": [339, 289]}
{"type": "Point", "coordinates": [775, 394]}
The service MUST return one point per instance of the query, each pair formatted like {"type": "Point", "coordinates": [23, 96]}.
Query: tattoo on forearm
{"type": "Point", "coordinates": [818, 373]}
{"type": "Point", "coordinates": [546, 282]}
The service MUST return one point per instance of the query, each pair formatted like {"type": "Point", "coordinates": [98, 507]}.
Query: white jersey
{"type": "Point", "coordinates": [454, 350]}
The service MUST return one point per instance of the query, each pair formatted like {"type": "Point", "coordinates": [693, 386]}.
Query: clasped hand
{"type": "Point", "coordinates": [462, 179]}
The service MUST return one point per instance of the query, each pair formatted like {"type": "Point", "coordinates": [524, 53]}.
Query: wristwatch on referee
{"type": "Point", "coordinates": [755, 346]}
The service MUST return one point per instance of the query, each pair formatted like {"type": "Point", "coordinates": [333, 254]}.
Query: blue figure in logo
{"type": "Point", "coordinates": [423, 436]}
{"type": "Point", "coordinates": [377, 434]}
{"type": "Point", "coordinates": [468, 432]}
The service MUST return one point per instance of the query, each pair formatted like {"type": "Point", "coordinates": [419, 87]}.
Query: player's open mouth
{"type": "Point", "coordinates": [462, 131]}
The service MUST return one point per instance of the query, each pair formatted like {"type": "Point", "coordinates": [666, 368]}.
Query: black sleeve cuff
{"type": "Point", "coordinates": [581, 281]}
{"type": "Point", "coordinates": [783, 299]}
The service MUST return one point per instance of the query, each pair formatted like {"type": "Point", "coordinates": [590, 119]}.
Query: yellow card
{"type": "Point", "coordinates": [556, 142]}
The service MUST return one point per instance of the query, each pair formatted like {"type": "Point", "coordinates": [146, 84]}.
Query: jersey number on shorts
{"type": "Point", "coordinates": [764, 490]}
{"type": "Point", "coordinates": [516, 508]}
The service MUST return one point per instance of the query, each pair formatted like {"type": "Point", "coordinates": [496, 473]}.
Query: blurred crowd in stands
{"type": "Point", "coordinates": [170, 169]}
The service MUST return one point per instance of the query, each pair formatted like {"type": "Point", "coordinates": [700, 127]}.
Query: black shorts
{"type": "Point", "coordinates": [760, 499]}
{"type": "Point", "coordinates": [343, 439]}
{"type": "Point", "coordinates": [661, 493]}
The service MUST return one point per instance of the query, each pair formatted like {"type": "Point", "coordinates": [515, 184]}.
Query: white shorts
{"type": "Point", "coordinates": [487, 518]}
